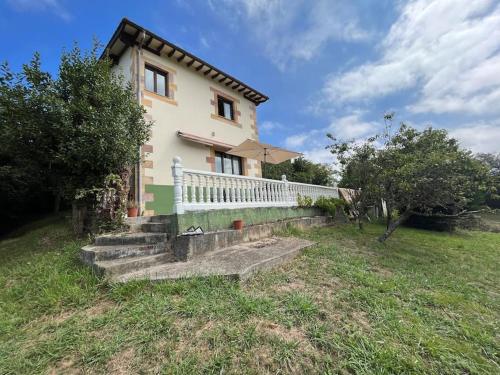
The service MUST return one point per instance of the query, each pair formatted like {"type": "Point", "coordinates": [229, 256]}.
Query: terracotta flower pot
{"type": "Point", "coordinates": [238, 224]}
{"type": "Point", "coordinates": [132, 211]}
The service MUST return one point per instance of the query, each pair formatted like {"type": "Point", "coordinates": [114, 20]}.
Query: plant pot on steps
{"type": "Point", "coordinates": [132, 211]}
{"type": "Point", "coordinates": [238, 224]}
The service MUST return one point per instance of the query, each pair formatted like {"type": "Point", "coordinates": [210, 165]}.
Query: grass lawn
{"type": "Point", "coordinates": [422, 303]}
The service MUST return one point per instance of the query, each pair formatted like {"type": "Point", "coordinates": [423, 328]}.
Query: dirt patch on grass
{"type": "Point", "coordinates": [384, 272]}
{"type": "Point", "coordinates": [267, 328]}
{"type": "Point", "coordinates": [101, 307]}
{"type": "Point", "coordinates": [361, 320]}
{"type": "Point", "coordinates": [289, 287]}
{"type": "Point", "coordinates": [121, 362]}
{"type": "Point", "coordinates": [65, 366]}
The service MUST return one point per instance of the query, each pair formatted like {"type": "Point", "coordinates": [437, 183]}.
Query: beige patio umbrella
{"type": "Point", "coordinates": [263, 152]}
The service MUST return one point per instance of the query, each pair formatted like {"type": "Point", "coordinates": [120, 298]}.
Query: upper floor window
{"type": "Point", "coordinates": [156, 80]}
{"type": "Point", "coordinates": [225, 108]}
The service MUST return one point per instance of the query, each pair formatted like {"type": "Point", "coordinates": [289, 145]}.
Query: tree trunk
{"type": "Point", "coordinates": [393, 225]}
{"type": "Point", "coordinates": [389, 216]}
{"type": "Point", "coordinates": [359, 222]}
{"type": "Point", "coordinates": [57, 202]}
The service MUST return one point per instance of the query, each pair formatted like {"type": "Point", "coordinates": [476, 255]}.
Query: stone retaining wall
{"type": "Point", "coordinates": [188, 247]}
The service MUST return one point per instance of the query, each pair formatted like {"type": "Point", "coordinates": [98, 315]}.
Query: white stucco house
{"type": "Point", "coordinates": [199, 112]}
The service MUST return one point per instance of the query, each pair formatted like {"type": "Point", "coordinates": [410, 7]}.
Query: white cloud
{"type": "Point", "coordinates": [352, 127]}
{"type": "Point", "coordinates": [319, 155]}
{"type": "Point", "coordinates": [53, 6]}
{"type": "Point", "coordinates": [269, 126]}
{"type": "Point", "coordinates": [293, 30]}
{"type": "Point", "coordinates": [446, 52]}
{"type": "Point", "coordinates": [296, 140]}
{"type": "Point", "coordinates": [204, 42]}
{"type": "Point", "coordinates": [313, 144]}
{"type": "Point", "coordinates": [479, 137]}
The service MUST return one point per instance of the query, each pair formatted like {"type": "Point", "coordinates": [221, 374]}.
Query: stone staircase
{"type": "Point", "coordinates": [150, 250]}
{"type": "Point", "coordinates": [147, 244]}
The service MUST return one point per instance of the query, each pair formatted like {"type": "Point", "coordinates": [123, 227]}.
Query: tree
{"type": "Point", "coordinates": [103, 126]}
{"type": "Point", "coordinates": [424, 172]}
{"type": "Point", "coordinates": [413, 172]}
{"type": "Point", "coordinates": [359, 173]}
{"type": "Point", "coordinates": [300, 170]}
{"type": "Point", "coordinates": [492, 163]}
{"type": "Point", "coordinates": [58, 135]}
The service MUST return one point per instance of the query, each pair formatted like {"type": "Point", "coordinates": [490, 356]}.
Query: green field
{"type": "Point", "coordinates": [424, 302]}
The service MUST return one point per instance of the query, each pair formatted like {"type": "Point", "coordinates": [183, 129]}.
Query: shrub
{"type": "Point", "coordinates": [329, 205]}
{"type": "Point", "coordinates": [304, 201]}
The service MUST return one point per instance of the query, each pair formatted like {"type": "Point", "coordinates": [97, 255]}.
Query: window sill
{"type": "Point", "coordinates": [223, 119]}
{"type": "Point", "coordinates": [162, 98]}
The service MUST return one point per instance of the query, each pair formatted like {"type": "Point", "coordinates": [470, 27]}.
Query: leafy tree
{"type": "Point", "coordinates": [359, 172]}
{"type": "Point", "coordinates": [58, 135]}
{"type": "Point", "coordinates": [300, 170]}
{"type": "Point", "coordinates": [424, 172]}
{"type": "Point", "coordinates": [102, 123]}
{"type": "Point", "coordinates": [412, 171]}
{"type": "Point", "coordinates": [492, 162]}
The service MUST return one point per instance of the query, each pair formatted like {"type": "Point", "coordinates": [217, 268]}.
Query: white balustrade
{"type": "Point", "coordinates": [199, 190]}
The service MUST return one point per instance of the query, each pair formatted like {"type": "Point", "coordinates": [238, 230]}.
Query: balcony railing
{"type": "Point", "coordinates": [199, 190]}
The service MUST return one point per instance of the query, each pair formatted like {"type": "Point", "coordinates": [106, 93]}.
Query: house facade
{"type": "Point", "coordinates": [199, 113]}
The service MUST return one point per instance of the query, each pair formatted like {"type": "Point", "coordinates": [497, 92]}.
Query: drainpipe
{"type": "Point", "coordinates": [138, 92]}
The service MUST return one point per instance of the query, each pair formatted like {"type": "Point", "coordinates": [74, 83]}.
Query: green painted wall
{"type": "Point", "coordinates": [163, 199]}
{"type": "Point", "coordinates": [223, 219]}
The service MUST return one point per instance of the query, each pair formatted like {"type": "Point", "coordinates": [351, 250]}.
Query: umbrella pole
{"type": "Point", "coordinates": [264, 166]}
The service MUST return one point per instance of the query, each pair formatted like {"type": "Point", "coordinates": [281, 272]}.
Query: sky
{"type": "Point", "coordinates": [328, 66]}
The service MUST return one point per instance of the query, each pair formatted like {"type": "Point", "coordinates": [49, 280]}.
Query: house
{"type": "Point", "coordinates": [199, 113]}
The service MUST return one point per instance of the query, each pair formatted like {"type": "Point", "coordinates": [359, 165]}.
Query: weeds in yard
{"type": "Point", "coordinates": [423, 302]}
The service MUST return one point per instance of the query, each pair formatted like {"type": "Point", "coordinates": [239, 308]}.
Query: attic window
{"type": "Point", "coordinates": [225, 108]}
{"type": "Point", "coordinates": [156, 80]}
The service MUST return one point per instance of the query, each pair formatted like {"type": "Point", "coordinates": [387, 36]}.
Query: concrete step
{"type": "Point", "coordinates": [117, 267]}
{"type": "Point", "coordinates": [93, 253]}
{"type": "Point", "coordinates": [236, 262]}
{"type": "Point", "coordinates": [154, 227]}
{"type": "Point", "coordinates": [165, 219]}
{"type": "Point", "coordinates": [131, 239]}
{"type": "Point", "coordinates": [135, 223]}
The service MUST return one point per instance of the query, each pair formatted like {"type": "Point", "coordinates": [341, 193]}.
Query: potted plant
{"type": "Point", "coordinates": [238, 224]}
{"type": "Point", "coordinates": [132, 208]}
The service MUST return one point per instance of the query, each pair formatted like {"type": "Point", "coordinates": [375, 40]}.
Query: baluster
{"type": "Point", "coordinates": [244, 186]}
{"type": "Point", "coordinates": [184, 189]}
{"type": "Point", "coordinates": [233, 190]}
{"type": "Point", "coordinates": [237, 187]}
{"type": "Point", "coordinates": [220, 190]}
{"type": "Point", "coordinates": [252, 191]}
{"type": "Point", "coordinates": [214, 184]}
{"type": "Point", "coordinates": [198, 189]}
{"type": "Point", "coordinates": [204, 190]}
{"type": "Point", "coordinates": [223, 190]}
{"type": "Point", "coordinates": [191, 191]}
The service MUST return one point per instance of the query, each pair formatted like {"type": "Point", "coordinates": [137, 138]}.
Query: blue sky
{"type": "Point", "coordinates": [327, 65]}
